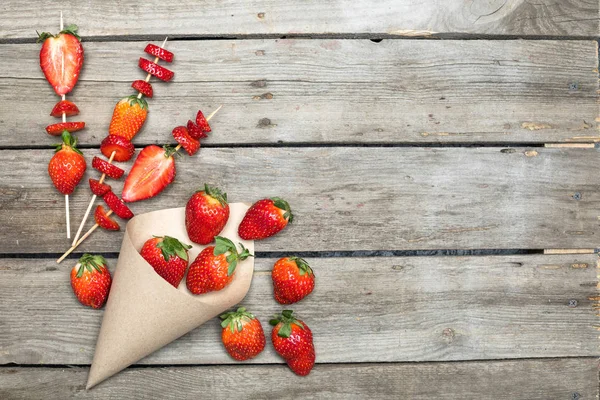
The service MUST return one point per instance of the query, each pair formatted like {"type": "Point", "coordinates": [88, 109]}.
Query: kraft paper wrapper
{"type": "Point", "coordinates": [144, 312]}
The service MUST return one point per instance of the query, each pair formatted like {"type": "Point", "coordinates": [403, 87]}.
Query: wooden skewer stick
{"type": "Point", "coordinates": [64, 119]}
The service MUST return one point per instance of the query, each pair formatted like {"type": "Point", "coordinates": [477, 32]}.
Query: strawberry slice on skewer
{"type": "Point", "coordinates": [64, 107]}
{"type": "Point", "coordinates": [99, 189]}
{"type": "Point", "coordinates": [152, 172]}
{"type": "Point", "coordinates": [159, 52]}
{"type": "Point", "coordinates": [156, 70]}
{"type": "Point", "coordinates": [104, 220]}
{"type": "Point", "coordinates": [143, 87]}
{"type": "Point", "coordinates": [58, 129]}
{"type": "Point", "coordinates": [109, 169]}
{"type": "Point", "coordinates": [122, 147]}
{"type": "Point", "coordinates": [117, 205]}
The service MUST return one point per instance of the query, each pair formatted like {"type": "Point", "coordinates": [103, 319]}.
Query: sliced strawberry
{"type": "Point", "coordinates": [111, 170]}
{"type": "Point", "coordinates": [61, 58]}
{"type": "Point", "coordinates": [159, 52]}
{"type": "Point", "coordinates": [105, 221]}
{"type": "Point", "coordinates": [195, 131]}
{"type": "Point", "coordinates": [64, 106]}
{"type": "Point", "coordinates": [156, 70]}
{"type": "Point", "coordinates": [183, 137]}
{"type": "Point", "coordinates": [122, 147]}
{"type": "Point", "coordinates": [99, 189]}
{"type": "Point", "coordinates": [152, 171]}
{"type": "Point", "coordinates": [202, 122]}
{"type": "Point", "coordinates": [57, 129]}
{"type": "Point", "coordinates": [143, 87]}
{"type": "Point", "coordinates": [117, 205]}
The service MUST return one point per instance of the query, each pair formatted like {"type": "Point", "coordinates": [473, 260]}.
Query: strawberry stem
{"type": "Point", "coordinates": [286, 319]}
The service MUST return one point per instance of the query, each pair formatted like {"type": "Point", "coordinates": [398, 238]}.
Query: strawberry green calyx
{"type": "Point", "coordinates": [171, 247]}
{"type": "Point", "coordinates": [71, 30]}
{"type": "Point", "coordinates": [169, 151]}
{"type": "Point", "coordinates": [90, 262]}
{"type": "Point", "coordinates": [215, 193]}
{"type": "Point", "coordinates": [223, 246]}
{"type": "Point", "coordinates": [302, 265]}
{"type": "Point", "coordinates": [235, 319]}
{"type": "Point", "coordinates": [284, 205]}
{"type": "Point", "coordinates": [133, 100]}
{"type": "Point", "coordinates": [287, 319]}
{"type": "Point", "coordinates": [68, 141]}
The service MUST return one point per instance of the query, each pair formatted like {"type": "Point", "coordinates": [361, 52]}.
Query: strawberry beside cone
{"type": "Point", "coordinates": [293, 340]}
{"type": "Point", "coordinates": [91, 280]}
{"type": "Point", "coordinates": [242, 334]}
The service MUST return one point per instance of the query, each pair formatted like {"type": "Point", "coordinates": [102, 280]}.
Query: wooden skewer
{"type": "Point", "coordinates": [64, 119]}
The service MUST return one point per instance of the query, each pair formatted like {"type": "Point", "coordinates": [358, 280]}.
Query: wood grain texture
{"type": "Point", "coordinates": [348, 198]}
{"type": "Point", "coordinates": [326, 91]}
{"type": "Point", "coordinates": [226, 18]}
{"type": "Point", "coordinates": [385, 309]}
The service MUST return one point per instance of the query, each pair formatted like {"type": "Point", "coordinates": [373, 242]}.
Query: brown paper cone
{"type": "Point", "coordinates": [144, 312]}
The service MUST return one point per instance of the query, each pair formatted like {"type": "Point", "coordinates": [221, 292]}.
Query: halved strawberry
{"type": "Point", "coordinates": [61, 58]}
{"type": "Point", "coordinates": [156, 70]}
{"type": "Point", "coordinates": [143, 87]}
{"type": "Point", "coordinates": [111, 170]}
{"type": "Point", "coordinates": [57, 129]}
{"type": "Point", "coordinates": [64, 106]}
{"type": "Point", "coordinates": [99, 189]}
{"type": "Point", "coordinates": [202, 122]}
{"type": "Point", "coordinates": [122, 147]}
{"type": "Point", "coordinates": [153, 170]}
{"type": "Point", "coordinates": [117, 205]}
{"type": "Point", "coordinates": [195, 131]}
{"type": "Point", "coordinates": [181, 135]}
{"type": "Point", "coordinates": [105, 221]}
{"type": "Point", "coordinates": [159, 52]}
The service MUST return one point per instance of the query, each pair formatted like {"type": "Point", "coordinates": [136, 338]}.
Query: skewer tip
{"type": "Point", "coordinates": [164, 42]}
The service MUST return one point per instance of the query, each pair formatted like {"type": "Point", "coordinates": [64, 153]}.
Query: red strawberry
{"type": "Point", "coordinates": [122, 147]}
{"type": "Point", "coordinates": [90, 280]}
{"type": "Point", "coordinates": [117, 205]}
{"type": "Point", "coordinates": [242, 335]}
{"type": "Point", "coordinates": [195, 131]}
{"type": "Point", "coordinates": [293, 279]}
{"type": "Point", "coordinates": [206, 213]}
{"type": "Point", "coordinates": [214, 267]}
{"type": "Point", "coordinates": [293, 340]}
{"type": "Point", "coordinates": [64, 106]}
{"type": "Point", "coordinates": [67, 166]}
{"type": "Point", "coordinates": [104, 220]}
{"type": "Point", "coordinates": [97, 188]}
{"type": "Point", "coordinates": [128, 117]}
{"type": "Point", "coordinates": [159, 52]}
{"type": "Point", "coordinates": [109, 169]}
{"type": "Point", "coordinates": [168, 256]}
{"type": "Point", "coordinates": [265, 218]}
{"type": "Point", "coordinates": [156, 70]}
{"type": "Point", "coordinates": [61, 58]}
{"type": "Point", "coordinates": [153, 170]}
{"type": "Point", "coordinates": [202, 122]}
{"type": "Point", "coordinates": [189, 144]}
{"type": "Point", "coordinates": [143, 87]}
{"type": "Point", "coordinates": [57, 129]}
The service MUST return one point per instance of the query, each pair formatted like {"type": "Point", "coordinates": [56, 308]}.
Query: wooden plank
{"type": "Point", "coordinates": [348, 198]}
{"type": "Point", "coordinates": [524, 379]}
{"type": "Point", "coordinates": [327, 91]}
{"type": "Point", "coordinates": [276, 17]}
{"type": "Point", "coordinates": [385, 309]}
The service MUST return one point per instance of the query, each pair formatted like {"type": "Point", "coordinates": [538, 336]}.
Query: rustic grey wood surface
{"type": "Point", "coordinates": [326, 91]}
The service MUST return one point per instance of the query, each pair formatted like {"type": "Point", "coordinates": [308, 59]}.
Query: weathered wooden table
{"type": "Point", "coordinates": [446, 191]}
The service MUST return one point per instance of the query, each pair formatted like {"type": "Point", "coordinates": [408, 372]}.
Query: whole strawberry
{"type": "Point", "coordinates": [242, 335]}
{"type": "Point", "coordinates": [214, 267]}
{"type": "Point", "coordinates": [168, 256]}
{"type": "Point", "coordinates": [293, 340]}
{"type": "Point", "coordinates": [206, 213]}
{"type": "Point", "coordinates": [67, 166]}
{"type": "Point", "coordinates": [90, 280]}
{"type": "Point", "coordinates": [128, 117]}
{"type": "Point", "coordinates": [293, 279]}
{"type": "Point", "coordinates": [265, 218]}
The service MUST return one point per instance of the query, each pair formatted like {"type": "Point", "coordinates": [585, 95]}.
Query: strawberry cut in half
{"type": "Point", "coordinates": [152, 171]}
{"type": "Point", "coordinates": [61, 58]}
{"type": "Point", "coordinates": [117, 205]}
{"type": "Point", "coordinates": [195, 131]}
{"type": "Point", "coordinates": [159, 52]}
{"type": "Point", "coordinates": [58, 129]}
{"type": "Point", "coordinates": [105, 221]}
{"type": "Point", "coordinates": [64, 106]}
{"type": "Point", "coordinates": [122, 147]}
{"type": "Point", "coordinates": [156, 70]}
{"type": "Point", "coordinates": [189, 144]}
{"type": "Point", "coordinates": [97, 188]}
{"type": "Point", "coordinates": [143, 87]}
{"type": "Point", "coordinates": [202, 122]}
{"type": "Point", "coordinates": [110, 170]}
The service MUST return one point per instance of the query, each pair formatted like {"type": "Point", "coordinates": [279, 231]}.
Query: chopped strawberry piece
{"type": "Point", "coordinates": [183, 137]}
{"type": "Point", "coordinates": [58, 129]}
{"type": "Point", "coordinates": [64, 106]}
{"type": "Point", "coordinates": [99, 189]}
{"type": "Point", "coordinates": [202, 122]}
{"type": "Point", "coordinates": [61, 58]}
{"type": "Point", "coordinates": [122, 147]}
{"type": "Point", "coordinates": [159, 52]}
{"type": "Point", "coordinates": [195, 131]}
{"type": "Point", "coordinates": [105, 221]}
{"type": "Point", "coordinates": [143, 87]}
{"type": "Point", "coordinates": [117, 205]}
{"type": "Point", "coordinates": [152, 171]}
{"type": "Point", "coordinates": [156, 70]}
{"type": "Point", "coordinates": [111, 170]}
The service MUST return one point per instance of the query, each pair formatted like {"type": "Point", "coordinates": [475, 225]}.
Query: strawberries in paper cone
{"type": "Point", "coordinates": [144, 312]}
